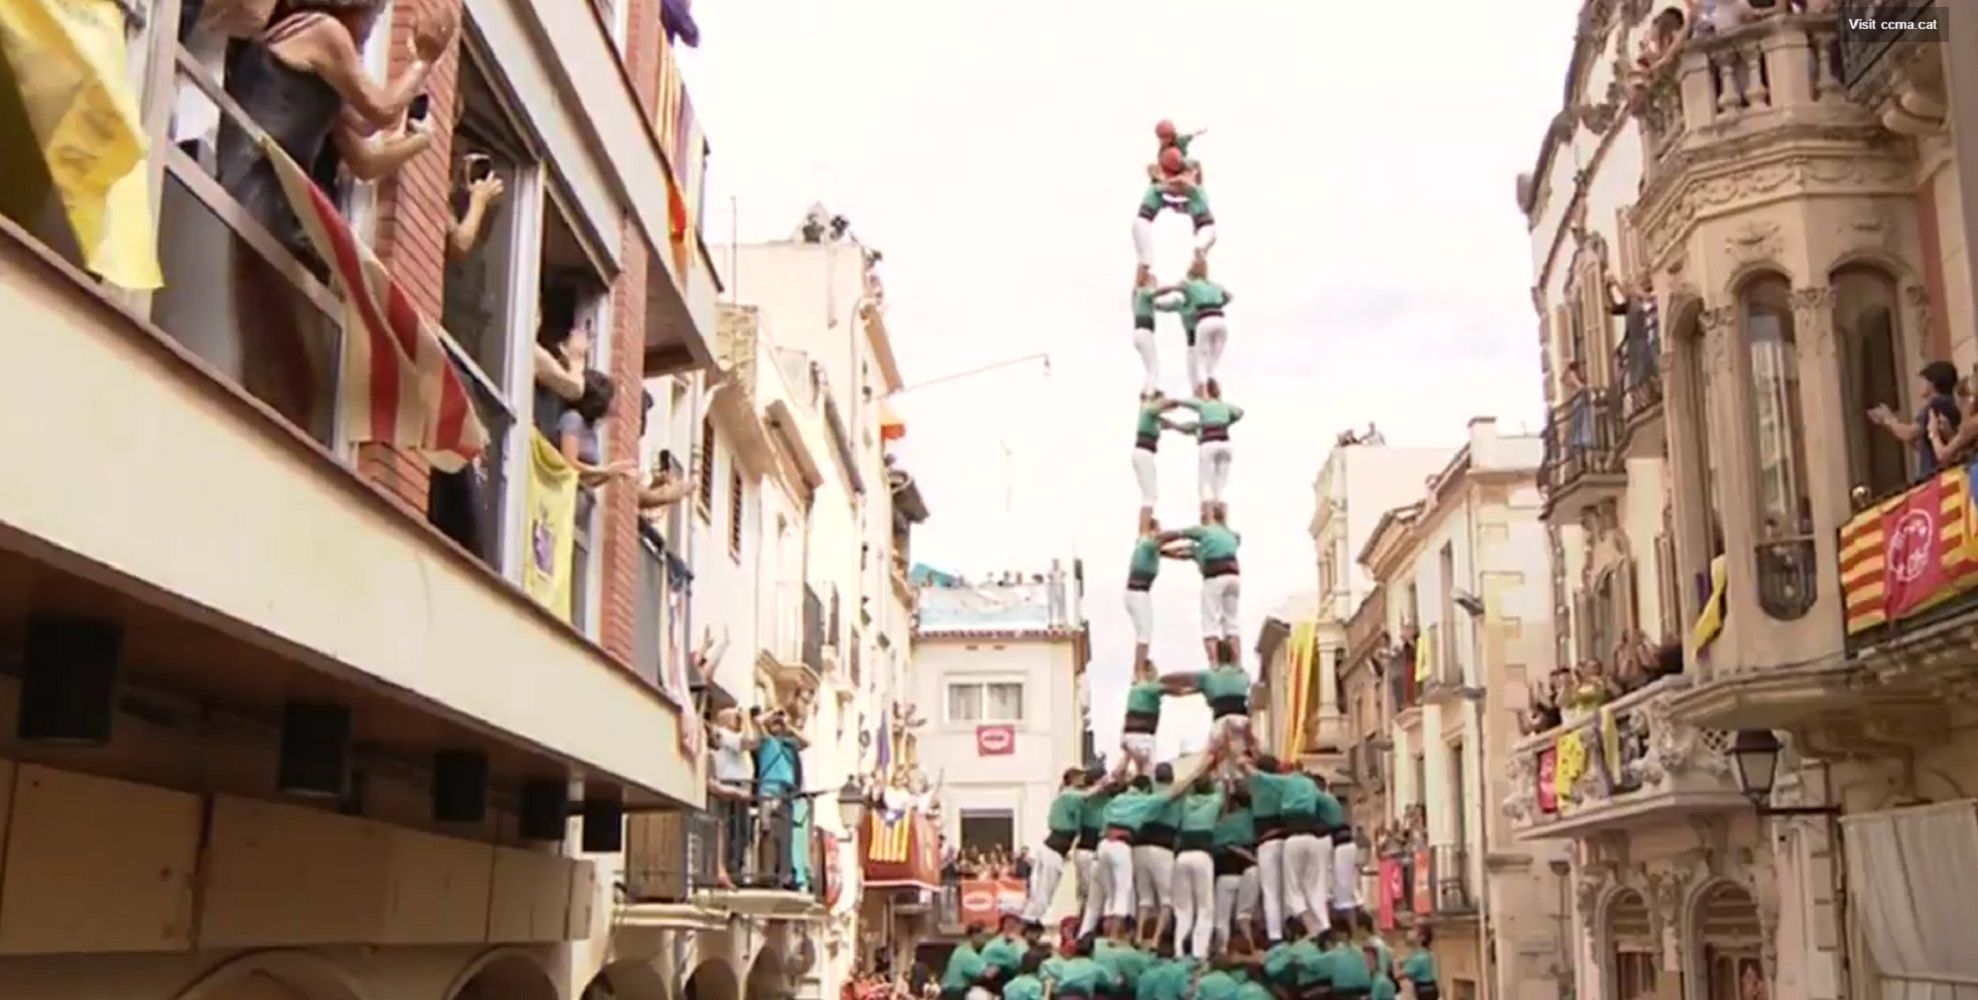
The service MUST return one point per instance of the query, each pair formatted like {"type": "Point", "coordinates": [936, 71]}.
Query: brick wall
{"type": "Point", "coordinates": [413, 217]}
{"type": "Point", "coordinates": [618, 612]}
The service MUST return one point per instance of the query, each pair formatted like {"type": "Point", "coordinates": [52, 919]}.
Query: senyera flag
{"type": "Point", "coordinates": [399, 387]}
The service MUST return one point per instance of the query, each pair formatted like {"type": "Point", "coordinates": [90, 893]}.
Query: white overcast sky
{"type": "Point", "coordinates": [1361, 163]}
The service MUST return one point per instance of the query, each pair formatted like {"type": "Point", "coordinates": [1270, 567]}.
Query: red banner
{"type": "Point", "coordinates": [1548, 795]}
{"type": "Point", "coordinates": [982, 899]}
{"type": "Point", "coordinates": [995, 741]}
{"type": "Point", "coordinates": [1912, 552]}
{"type": "Point", "coordinates": [1391, 891]}
{"type": "Point", "coordinates": [1424, 883]}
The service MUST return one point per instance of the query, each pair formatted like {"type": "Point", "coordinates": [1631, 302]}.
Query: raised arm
{"type": "Point", "coordinates": [1235, 414]}
{"type": "Point", "coordinates": [371, 158]}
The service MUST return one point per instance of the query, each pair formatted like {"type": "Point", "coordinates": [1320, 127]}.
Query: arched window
{"type": "Point", "coordinates": [1870, 353]}
{"type": "Point", "coordinates": [1632, 951]}
{"type": "Point", "coordinates": [1727, 929]}
{"type": "Point", "coordinates": [1699, 419]}
{"type": "Point", "coordinates": [1786, 571]}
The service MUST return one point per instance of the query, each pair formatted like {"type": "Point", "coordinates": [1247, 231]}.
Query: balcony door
{"type": "Point", "coordinates": [1870, 357]}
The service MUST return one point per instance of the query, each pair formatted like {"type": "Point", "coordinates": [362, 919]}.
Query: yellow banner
{"type": "Point", "coordinates": [66, 64]}
{"type": "Point", "coordinates": [1425, 656]}
{"type": "Point", "coordinates": [1298, 661]}
{"type": "Point", "coordinates": [1569, 762]}
{"type": "Point", "coordinates": [550, 528]}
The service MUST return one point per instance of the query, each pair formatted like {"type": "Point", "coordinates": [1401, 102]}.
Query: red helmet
{"type": "Point", "coordinates": [1164, 130]}
{"type": "Point", "coordinates": [1172, 161]}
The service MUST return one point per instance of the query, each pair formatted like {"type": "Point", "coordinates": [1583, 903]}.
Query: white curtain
{"type": "Point", "coordinates": [1911, 874]}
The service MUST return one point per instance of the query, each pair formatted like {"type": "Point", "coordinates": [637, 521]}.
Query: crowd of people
{"type": "Point", "coordinates": [1575, 691]}
{"type": "Point", "coordinates": [994, 863]}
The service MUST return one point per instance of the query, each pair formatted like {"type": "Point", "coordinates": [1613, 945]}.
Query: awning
{"type": "Point", "coordinates": [891, 426]}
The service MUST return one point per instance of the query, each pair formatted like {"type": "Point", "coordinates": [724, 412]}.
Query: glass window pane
{"type": "Point", "coordinates": [1871, 375]}
{"type": "Point", "coordinates": [1006, 702]}
{"type": "Point", "coordinates": [964, 702]}
{"type": "Point", "coordinates": [1784, 510]}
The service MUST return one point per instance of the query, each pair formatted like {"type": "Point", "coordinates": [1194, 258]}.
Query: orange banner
{"type": "Point", "coordinates": [982, 899]}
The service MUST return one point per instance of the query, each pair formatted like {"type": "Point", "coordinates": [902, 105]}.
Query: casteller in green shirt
{"type": "Point", "coordinates": [964, 965]}
{"type": "Point", "coordinates": [1298, 796]}
{"type": "Point", "coordinates": [1236, 828]}
{"type": "Point", "coordinates": [1144, 697]}
{"type": "Point", "coordinates": [1167, 980]}
{"type": "Point", "coordinates": [1347, 963]}
{"type": "Point", "coordinates": [1025, 988]}
{"type": "Point", "coordinates": [1067, 812]}
{"type": "Point", "coordinates": [1419, 966]}
{"type": "Point", "coordinates": [1004, 954]}
{"type": "Point", "coordinates": [1131, 808]}
{"type": "Point", "coordinates": [1124, 961]}
{"type": "Point", "coordinates": [1228, 681]}
{"type": "Point", "coordinates": [1332, 815]}
{"type": "Point", "coordinates": [1146, 561]}
{"type": "Point", "coordinates": [1217, 985]}
{"type": "Point", "coordinates": [1213, 543]}
{"type": "Point", "coordinates": [1077, 975]}
{"type": "Point", "coordinates": [1200, 812]}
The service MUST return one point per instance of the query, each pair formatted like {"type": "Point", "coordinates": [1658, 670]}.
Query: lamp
{"type": "Point", "coordinates": [1755, 762]}
{"type": "Point", "coordinates": [851, 804]}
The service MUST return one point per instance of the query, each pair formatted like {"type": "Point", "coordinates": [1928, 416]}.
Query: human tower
{"type": "Point", "coordinates": [1239, 880]}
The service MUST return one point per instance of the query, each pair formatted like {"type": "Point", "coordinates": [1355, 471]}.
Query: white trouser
{"type": "Point", "coordinates": [1143, 241]}
{"type": "Point", "coordinates": [1307, 865]}
{"type": "Point", "coordinates": [1221, 598]}
{"type": "Point", "coordinates": [1143, 473]}
{"type": "Point", "coordinates": [1153, 877]}
{"type": "Point", "coordinates": [1346, 876]}
{"type": "Point", "coordinates": [1115, 860]}
{"type": "Point", "coordinates": [978, 993]}
{"type": "Point", "coordinates": [1211, 336]}
{"type": "Point", "coordinates": [1044, 876]}
{"type": "Point", "coordinates": [1138, 749]}
{"type": "Point", "coordinates": [1205, 238]}
{"type": "Point", "coordinates": [1270, 882]}
{"type": "Point", "coordinates": [1236, 897]}
{"type": "Point", "coordinates": [1212, 470]}
{"type": "Point", "coordinates": [1092, 883]}
{"type": "Point", "coordinates": [1140, 604]}
{"type": "Point", "coordinates": [1143, 341]}
{"type": "Point", "coordinates": [1194, 903]}
{"type": "Point", "coordinates": [1194, 359]}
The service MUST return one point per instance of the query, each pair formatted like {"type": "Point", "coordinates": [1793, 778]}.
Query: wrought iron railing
{"type": "Point", "coordinates": [1580, 439]}
{"type": "Point", "coordinates": [1863, 52]}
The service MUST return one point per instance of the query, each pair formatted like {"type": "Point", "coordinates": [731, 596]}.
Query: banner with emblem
{"type": "Point", "coordinates": [1909, 553]}
{"type": "Point", "coordinates": [549, 526]}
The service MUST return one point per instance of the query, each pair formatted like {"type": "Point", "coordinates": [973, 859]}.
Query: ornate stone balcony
{"type": "Point", "coordinates": [1621, 764]}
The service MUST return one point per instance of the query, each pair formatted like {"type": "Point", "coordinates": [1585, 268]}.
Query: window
{"type": "Point", "coordinates": [705, 498]}
{"type": "Point", "coordinates": [1458, 810]}
{"type": "Point", "coordinates": [1871, 375]}
{"type": "Point", "coordinates": [984, 830]}
{"type": "Point", "coordinates": [1778, 422]}
{"type": "Point", "coordinates": [735, 512]}
{"type": "Point", "coordinates": [1447, 666]}
{"type": "Point", "coordinates": [1634, 943]}
{"type": "Point", "coordinates": [999, 701]}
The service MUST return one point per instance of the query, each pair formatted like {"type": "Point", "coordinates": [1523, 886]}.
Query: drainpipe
{"type": "Point", "coordinates": [1486, 934]}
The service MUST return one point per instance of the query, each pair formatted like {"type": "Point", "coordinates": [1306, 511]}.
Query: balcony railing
{"type": "Point", "coordinates": [1891, 588]}
{"type": "Point", "coordinates": [767, 845]}
{"type": "Point", "coordinates": [649, 621]}
{"type": "Point", "coordinates": [1638, 359]}
{"type": "Point", "coordinates": [1450, 869]}
{"type": "Point", "coordinates": [1616, 762]}
{"type": "Point", "coordinates": [670, 856]}
{"type": "Point", "coordinates": [1866, 55]}
{"type": "Point", "coordinates": [1581, 440]}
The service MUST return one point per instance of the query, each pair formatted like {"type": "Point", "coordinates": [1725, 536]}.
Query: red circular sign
{"type": "Point", "coordinates": [1912, 545]}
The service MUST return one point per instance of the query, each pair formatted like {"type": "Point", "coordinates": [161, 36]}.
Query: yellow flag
{"type": "Point", "coordinates": [68, 64]}
{"type": "Point", "coordinates": [550, 528]}
{"type": "Point", "coordinates": [1298, 660]}
{"type": "Point", "coordinates": [1710, 621]}
{"type": "Point", "coordinates": [1424, 657]}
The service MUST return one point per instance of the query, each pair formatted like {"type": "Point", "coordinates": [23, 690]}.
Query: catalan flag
{"type": "Point", "coordinates": [890, 839]}
{"type": "Point", "coordinates": [1298, 661]}
{"type": "Point", "coordinates": [1909, 553]}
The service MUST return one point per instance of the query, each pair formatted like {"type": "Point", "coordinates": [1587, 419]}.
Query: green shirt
{"type": "Point", "coordinates": [1265, 791]}
{"type": "Point", "coordinates": [1218, 985]}
{"type": "Point", "coordinates": [1383, 989]}
{"type": "Point", "coordinates": [1130, 808]}
{"type": "Point", "coordinates": [1236, 829]}
{"type": "Point", "coordinates": [1165, 981]}
{"type": "Point", "coordinates": [1143, 303]}
{"type": "Point", "coordinates": [1215, 412]}
{"type": "Point", "coordinates": [1146, 561]}
{"type": "Point", "coordinates": [1201, 813]}
{"type": "Point", "coordinates": [1226, 681]}
{"type": "Point", "coordinates": [1213, 542]}
{"type": "Point", "coordinates": [1383, 955]}
{"type": "Point", "coordinates": [1124, 961]}
{"type": "Point", "coordinates": [1203, 294]}
{"type": "Point", "coordinates": [1079, 974]}
{"type": "Point", "coordinates": [1144, 697]}
{"type": "Point", "coordinates": [1348, 963]}
{"type": "Point", "coordinates": [1094, 815]}
{"type": "Point", "coordinates": [1004, 954]}
{"type": "Point", "coordinates": [1330, 812]}
{"type": "Point", "coordinates": [1167, 811]}
{"type": "Point", "coordinates": [963, 966]}
{"type": "Point", "coordinates": [1177, 302]}
{"type": "Point", "coordinates": [1255, 991]}
{"type": "Point", "coordinates": [1067, 813]}
{"type": "Point", "coordinates": [1298, 796]}
{"type": "Point", "coordinates": [1311, 965]}
{"type": "Point", "coordinates": [1281, 963]}
{"type": "Point", "coordinates": [1029, 988]}
{"type": "Point", "coordinates": [1150, 420]}
{"type": "Point", "coordinates": [1419, 966]}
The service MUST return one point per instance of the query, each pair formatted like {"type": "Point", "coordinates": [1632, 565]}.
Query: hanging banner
{"type": "Point", "coordinates": [1299, 651]}
{"type": "Point", "coordinates": [550, 526]}
{"type": "Point", "coordinates": [1424, 883]}
{"type": "Point", "coordinates": [673, 682]}
{"type": "Point", "coordinates": [1548, 770]}
{"type": "Point", "coordinates": [995, 741]}
{"type": "Point", "coordinates": [1569, 763]}
{"type": "Point", "coordinates": [983, 900]}
{"type": "Point", "coordinates": [1391, 892]}
{"type": "Point", "coordinates": [1911, 552]}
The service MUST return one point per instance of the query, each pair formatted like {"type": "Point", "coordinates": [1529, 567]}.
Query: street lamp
{"type": "Point", "coordinates": [1755, 761]}
{"type": "Point", "coordinates": [851, 804]}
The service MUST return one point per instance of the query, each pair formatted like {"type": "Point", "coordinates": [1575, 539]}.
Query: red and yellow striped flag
{"type": "Point", "coordinates": [890, 839]}
{"type": "Point", "coordinates": [1908, 553]}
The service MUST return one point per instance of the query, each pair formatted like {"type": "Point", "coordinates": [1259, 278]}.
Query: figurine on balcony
{"type": "Point", "coordinates": [1201, 303]}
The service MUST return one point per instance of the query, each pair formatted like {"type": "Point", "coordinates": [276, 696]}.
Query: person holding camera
{"type": "Point", "coordinates": [779, 773]}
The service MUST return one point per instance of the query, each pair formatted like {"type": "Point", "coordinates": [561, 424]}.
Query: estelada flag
{"type": "Point", "coordinates": [398, 385]}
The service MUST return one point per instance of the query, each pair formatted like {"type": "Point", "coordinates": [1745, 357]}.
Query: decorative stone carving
{"type": "Point", "coordinates": [1670, 210]}
{"type": "Point", "coordinates": [1754, 242]}
{"type": "Point", "coordinates": [1522, 804]}
{"type": "Point", "coordinates": [1587, 890]}
{"type": "Point", "coordinates": [1722, 318]}
{"type": "Point", "coordinates": [1675, 747]}
{"type": "Point", "coordinates": [1817, 299]}
{"type": "Point", "coordinates": [1869, 226]}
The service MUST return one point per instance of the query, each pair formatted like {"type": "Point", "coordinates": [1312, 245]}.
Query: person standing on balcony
{"type": "Point", "coordinates": [1213, 418]}
{"type": "Point", "coordinates": [1215, 548]}
{"type": "Point", "coordinates": [1579, 410]}
{"type": "Point", "coordinates": [730, 783]}
{"type": "Point", "coordinates": [1938, 389]}
{"type": "Point", "coordinates": [778, 776]}
{"type": "Point", "coordinates": [1201, 303]}
{"type": "Point", "coordinates": [1641, 336]}
{"type": "Point", "coordinates": [1237, 886]}
{"type": "Point", "coordinates": [1146, 443]}
{"type": "Point", "coordinates": [577, 434]}
{"type": "Point", "coordinates": [1062, 824]}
